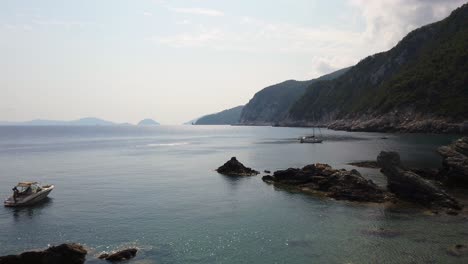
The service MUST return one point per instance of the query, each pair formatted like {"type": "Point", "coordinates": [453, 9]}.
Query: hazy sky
{"type": "Point", "coordinates": [125, 60]}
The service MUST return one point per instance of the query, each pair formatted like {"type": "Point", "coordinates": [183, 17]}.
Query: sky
{"type": "Point", "coordinates": [173, 61]}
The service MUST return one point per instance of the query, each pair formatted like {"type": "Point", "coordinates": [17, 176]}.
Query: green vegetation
{"type": "Point", "coordinates": [427, 73]}
{"type": "Point", "coordinates": [272, 103]}
{"type": "Point", "coordinates": [226, 117]}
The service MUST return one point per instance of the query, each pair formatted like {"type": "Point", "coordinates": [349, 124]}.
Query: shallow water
{"type": "Point", "coordinates": [156, 188]}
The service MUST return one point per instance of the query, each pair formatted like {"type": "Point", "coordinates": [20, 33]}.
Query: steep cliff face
{"type": "Point", "coordinates": [226, 117]}
{"type": "Point", "coordinates": [272, 103]}
{"type": "Point", "coordinates": [420, 85]}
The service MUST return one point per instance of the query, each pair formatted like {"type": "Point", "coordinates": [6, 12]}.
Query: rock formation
{"type": "Point", "coordinates": [64, 253]}
{"type": "Point", "coordinates": [234, 168]}
{"type": "Point", "coordinates": [125, 254]}
{"type": "Point", "coordinates": [455, 162]}
{"type": "Point", "coordinates": [337, 184]}
{"type": "Point", "coordinates": [408, 185]}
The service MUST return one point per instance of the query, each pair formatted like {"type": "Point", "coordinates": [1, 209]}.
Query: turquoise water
{"type": "Point", "coordinates": [156, 188]}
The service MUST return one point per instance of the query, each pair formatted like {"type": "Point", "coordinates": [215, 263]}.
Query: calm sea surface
{"type": "Point", "coordinates": [156, 188]}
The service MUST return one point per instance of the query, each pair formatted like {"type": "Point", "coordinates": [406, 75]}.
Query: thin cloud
{"type": "Point", "coordinates": [197, 11]}
{"type": "Point", "coordinates": [147, 13]}
{"type": "Point", "coordinates": [386, 22]}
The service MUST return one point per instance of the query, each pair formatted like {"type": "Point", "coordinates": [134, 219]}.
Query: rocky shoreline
{"type": "Point", "coordinates": [71, 253]}
{"type": "Point", "coordinates": [393, 122]}
{"type": "Point", "coordinates": [337, 184]}
{"type": "Point", "coordinates": [419, 186]}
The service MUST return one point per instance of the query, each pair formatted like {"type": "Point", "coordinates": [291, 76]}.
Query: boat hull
{"type": "Point", "coordinates": [311, 141]}
{"type": "Point", "coordinates": [30, 200]}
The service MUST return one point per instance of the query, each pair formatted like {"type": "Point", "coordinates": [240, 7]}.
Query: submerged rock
{"type": "Point", "coordinates": [64, 253]}
{"type": "Point", "coordinates": [455, 162]}
{"type": "Point", "coordinates": [234, 168]}
{"type": "Point", "coordinates": [410, 186]}
{"type": "Point", "coordinates": [458, 250]}
{"type": "Point", "coordinates": [337, 184]}
{"type": "Point", "coordinates": [120, 255]}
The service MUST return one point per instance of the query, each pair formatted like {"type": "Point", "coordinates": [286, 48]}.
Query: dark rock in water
{"type": "Point", "coordinates": [337, 184]}
{"type": "Point", "coordinates": [458, 250]}
{"type": "Point", "coordinates": [64, 253]}
{"type": "Point", "coordinates": [455, 162]}
{"type": "Point", "coordinates": [234, 168]}
{"type": "Point", "coordinates": [365, 164]}
{"type": "Point", "coordinates": [267, 178]}
{"type": "Point", "coordinates": [410, 186]}
{"type": "Point", "coordinates": [267, 171]}
{"type": "Point", "coordinates": [120, 255]}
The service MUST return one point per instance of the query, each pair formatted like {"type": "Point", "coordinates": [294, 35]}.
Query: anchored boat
{"type": "Point", "coordinates": [313, 138]}
{"type": "Point", "coordinates": [27, 193]}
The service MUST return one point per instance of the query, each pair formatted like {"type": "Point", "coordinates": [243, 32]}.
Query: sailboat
{"type": "Point", "coordinates": [311, 139]}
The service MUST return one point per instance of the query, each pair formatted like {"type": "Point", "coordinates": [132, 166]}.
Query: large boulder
{"type": "Point", "coordinates": [337, 184]}
{"type": "Point", "coordinates": [234, 168]}
{"type": "Point", "coordinates": [455, 162]}
{"type": "Point", "coordinates": [64, 253]}
{"type": "Point", "coordinates": [408, 185]}
{"type": "Point", "coordinates": [121, 255]}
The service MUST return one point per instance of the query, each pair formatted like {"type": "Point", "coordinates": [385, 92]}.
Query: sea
{"type": "Point", "coordinates": [156, 188]}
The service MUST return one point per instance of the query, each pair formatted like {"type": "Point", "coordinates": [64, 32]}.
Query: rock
{"type": "Point", "coordinates": [428, 173]}
{"type": "Point", "coordinates": [267, 171]}
{"type": "Point", "coordinates": [337, 184]}
{"type": "Point", "coordinates": [234, 168]}
{"type": "Point", "coordinates": [365, 164]}
{"type": "Point", "coordinates": [267, 178]}
{"type": "Point", "coordinates": [458, 250]}
{"type": "Point", "coordinates": [64, 253]}
{"type": "Point", "coordinates": [455, 162]}
{"type": "Point", "coordinates": [120, 255]}
{"type": "Point", "coordinates": [408, 185]}
{"type": "Point", "coordinates": [452, 212]}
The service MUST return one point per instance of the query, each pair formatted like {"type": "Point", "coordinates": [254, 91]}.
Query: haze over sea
{"type": "Point", "coordinates": [156, 188]}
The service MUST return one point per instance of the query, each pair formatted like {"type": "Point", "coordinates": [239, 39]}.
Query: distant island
{"type": "Point", "coordinates": [87, 121]}
{"type": "Point", "coordinates": [148, 122]}
{"type": "Point", "coordinates": [226, 117]}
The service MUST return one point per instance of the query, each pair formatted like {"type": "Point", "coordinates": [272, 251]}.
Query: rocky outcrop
{"type": "Point", "coordinates": [337, 184]}
{"type": "Point", "coordinates": [401, 121]}
{"type": "Point", "coordinates": [234, 168]}
{"type": "Point", "coordinates": [408, 185]}
{"type": "Point", "coordinates": [64, 253]}
{"type": "Point", "coordinates": [455, 162]}
{"type": "Point", "coordinates": [121, 255]}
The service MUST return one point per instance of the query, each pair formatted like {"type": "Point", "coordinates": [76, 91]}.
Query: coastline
{"type": "Point", "coordinates": [377, 124]}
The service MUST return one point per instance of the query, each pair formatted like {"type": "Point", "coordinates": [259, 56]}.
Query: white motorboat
{"type": "Point", "coordinates": [27, 193]}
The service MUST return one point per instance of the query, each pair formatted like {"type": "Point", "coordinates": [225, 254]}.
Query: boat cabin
{"type": "Point", "coordinates": [27, 188]}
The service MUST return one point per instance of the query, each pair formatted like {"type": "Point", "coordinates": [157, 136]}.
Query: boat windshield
{"type": "Point", "coordinates": [27, 188]}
